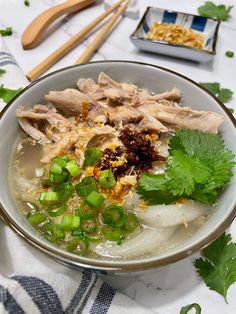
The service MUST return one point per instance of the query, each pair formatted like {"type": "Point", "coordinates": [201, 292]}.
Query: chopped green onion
{"type": "Point", "coordinates": [88, 225]}
{"type": "Point", "coordinates": [56, 209]}
{"type": "Point", "coordinates": [107, 179]}
{"type": "Point", "coordinates": [61, 161]}
{"type": "Point", "coordinates": [94, 198]}
{"type": "Point", "coordinates": [39, 172]}
{"type": "Point", "coordinates": [55, 169]}
{"type": "Point", "coordinates": [131, 222]}
{"type": "Point", "coordinates": [73, 168]}
{"type": "Point", "coordinates": [53, 233]}
{"type": "Point", "coordinates": [47, 198]}
{"type": "Point", "coordinates": [77, 246]}
{"type": "Point", "coordinates": [112, 233]}
{"type": "Point", "coordinates": [189, 307]}
{"type": "Point", "coordinates": [114, 216]}
{"type": "Point", "coordinates": [79, 233]}
{"type": "Point", "coordinates": [85, 211]}
{"type": "Point", "coordinates": [229, 54]}
{"type": "Point", "coordinates": [46, 183]}
{"type": "Point", "coordinates": [94, 237]}
{"type": "Point", "coordinates": [86, 186]}
{"type": "Point", "coordinates": [64, 190]}
{"type": "Point", "coordinates": [31, 207]}
{"type": "Point", "coordinates": [58, 178]}
{"type": "Point", "coordinates": [70, 222]}
{"type": "Point", "coordinates": [92, 155]}
{"type": "Point", "coordinates": [38, 219]}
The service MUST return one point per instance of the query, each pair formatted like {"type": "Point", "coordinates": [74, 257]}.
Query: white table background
{"type": "Point", "coordinates": [166, 290]}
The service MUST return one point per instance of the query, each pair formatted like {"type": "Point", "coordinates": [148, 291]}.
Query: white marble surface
{"type": "Point", "coordinates": [166, 290]}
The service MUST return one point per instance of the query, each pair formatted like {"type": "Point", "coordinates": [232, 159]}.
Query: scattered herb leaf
{"type": "Point", "coordinates": [6, 32]}
{"type": "Point", "coordinates": [7, 94]}
{"type": "Point", "coordinates": [2, 71]}
{"type": "Point", "coordinates": [197, 167]}
{"type": "Point", "coordinates": [229, 54]}
{"type": "Point", "coordinates": [189, 307]}
{"type": "Point", "coordinates": [231, 110]}
{"type": "Point", "coordinates": [220, 12]}
{"type": "Point", "coordinates": [27, 3]}
{"type": "Point", "coordinates": [224, 94]}
{"type": "Point", "coordinates": [217, 266]}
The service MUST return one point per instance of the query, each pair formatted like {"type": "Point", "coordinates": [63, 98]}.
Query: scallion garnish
{"type": "Point", "coordinates": [94, 198]}
{"type": "Point", "coordinates": [56, 210]}
{"type": "Point", "coordinates": [92, 155]}
{"type": "Point", "coordinates": [69, 222]}
{"type": "Point", "coordinates": [86, 186]}
{"type": "Point", "coordinates": [53, 233]}
{"type": "Point", "coordinates": [61, 160]}
{"type": "Point", "coordinates": [112, 233]}
{"type": "Point", "coordinates": [77, 245]}
{"type": "Point", "coordinates": [73, 168]}
{"type": "Point", "coordinates": [38, 219]}
{"type": "Point", "coordinates": [114, 216]}
{"type": "Point", "coordinates": [88, 225]}
{"type": "Point", "coordinates": [64, 190]}
{"type": "Point", "coordinates": [47, 198]}
{"type": "Point", "coordinates": [107, 179]}
{"type": "Point", "coordinates": [86, 210]}
{"type": "Point", "coordinates": [131, 222]}
{"type": "Point", "coordinates": [55, 168]}
{"type": "Point", "coordinates": [58, 178]}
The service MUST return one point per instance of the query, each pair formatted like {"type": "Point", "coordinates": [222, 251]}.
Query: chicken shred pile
{"type": "Point", "coordinates": [95, 114]}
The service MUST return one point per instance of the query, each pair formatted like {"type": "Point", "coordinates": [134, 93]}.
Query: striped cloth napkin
{"type": "Point", "coordinates": [31, 282]}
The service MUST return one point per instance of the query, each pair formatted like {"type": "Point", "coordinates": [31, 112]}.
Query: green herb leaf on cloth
{"type": "Point", "coordinates": [6, 94]}
{"type": "Point", "coordinates": [189, 307]}
{"type": "Point", "coordinates": [27, 3]}
{"type": "Point", "coordinates": [210, 9]}
{"type": "Point", "coordinates": [217, 266]}
{"type": "Point", "coordinates": [6, 32]}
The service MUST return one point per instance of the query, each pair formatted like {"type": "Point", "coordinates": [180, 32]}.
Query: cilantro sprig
{"type": "Point", "coordinates": [198, 167]}
{"type": "Point", "coordinates": [27, 3]}
{"type": "Point", "coordinates": [6, 32]}
{"type": "Point", "coordinates": [224, 94]}
{"type": "Point", "coordinates": [6, 94]}
{"type": "Point", "coordinates": [220, 12]}
{"type": "Point", "coordinates": [217, 266]}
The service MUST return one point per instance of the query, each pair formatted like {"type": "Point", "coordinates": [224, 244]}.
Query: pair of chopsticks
{"type": "Point", "coordinates": [73, 41]}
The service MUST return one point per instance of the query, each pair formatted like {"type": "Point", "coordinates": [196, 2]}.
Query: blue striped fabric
{"type": "Point", "coordinates": [198, 23]}
{"type": "Point", "coordinates": [6, 58]}
{"type": "Point", "coordinates": [169, 17]}
{"type": "Point", "coordinates": [47, 300]}
{"type": "Point", "coordinates": [10, 304]}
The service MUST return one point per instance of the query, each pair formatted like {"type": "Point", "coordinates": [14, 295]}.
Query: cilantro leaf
{"type": "Point", "coordinates": [7, 94]}
{"type": "Point", "coordinates": [214, 88]}
{"type": "Point", "coordinates": [197, 167]}
{"type": "Point", "coordinates": [189, 307]}
{"type": "Point", "coordinates": [2, 71]}
{"type": "Point", "coordinates": [6, 32]}
{"type": "Point", "coordinates": [224, 94]}
{"type": "Point", "coordinates": [217, 266]}
{"type": "Point", "coordinates": [152, 188]}
{"type": "Point", "coordinates": [229, 54]}
{"type": "Point", "coordinates": [210, 9]}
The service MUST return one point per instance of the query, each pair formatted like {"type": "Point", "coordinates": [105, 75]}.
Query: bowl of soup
{"type": "Point", "coordinates": [118, 167]}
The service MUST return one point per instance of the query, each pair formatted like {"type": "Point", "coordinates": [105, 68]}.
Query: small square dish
{"type": "Point", "coordinates": [177, 34]}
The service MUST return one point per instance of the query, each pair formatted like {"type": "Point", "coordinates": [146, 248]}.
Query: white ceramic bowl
{"type": "Point", "coordinates": [155, 79]}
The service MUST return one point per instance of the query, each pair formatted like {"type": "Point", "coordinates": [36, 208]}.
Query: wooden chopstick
{"type": "Point", "coordinates": [69, 45]}
{"type": "Point", "coordinates": [89, 51]}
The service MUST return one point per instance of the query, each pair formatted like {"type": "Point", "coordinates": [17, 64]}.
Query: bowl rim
{"type": "Point", "coordinates": [134, 36]}
{"type": "Point", "coordinates": [116, 266]}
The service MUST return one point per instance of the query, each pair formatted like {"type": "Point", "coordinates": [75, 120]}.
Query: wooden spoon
{"type": "Point", "coordinates": [34, 32]}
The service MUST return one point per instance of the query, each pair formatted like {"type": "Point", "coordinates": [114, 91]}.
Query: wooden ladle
{"type": "Point", "coordinates": [34, 32]}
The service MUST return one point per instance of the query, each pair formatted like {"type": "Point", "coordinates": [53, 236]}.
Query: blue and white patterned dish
{"type": "Point", "coordinates": [208, 27]}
